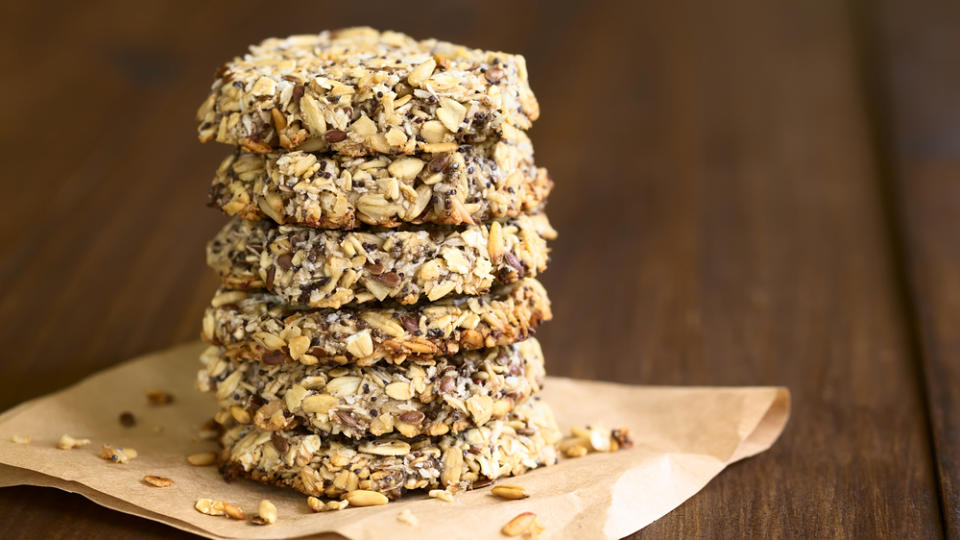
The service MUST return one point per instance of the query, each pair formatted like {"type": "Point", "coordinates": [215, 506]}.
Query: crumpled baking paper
{"type": "Point", "coordinates": [684, 436]}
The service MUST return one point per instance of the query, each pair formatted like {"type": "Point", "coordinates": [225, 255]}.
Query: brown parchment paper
{"type": "Point", "coordinates": [684, 437]}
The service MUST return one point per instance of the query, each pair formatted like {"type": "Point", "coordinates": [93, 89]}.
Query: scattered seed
{"type": "Point", "coordinates": [233, 511]}
{"type": "Point", "coordinates": [159, 397]}
{"type": "Point", "coordinates": [202, 459]}
{"type": "Point", "coordinates": [210, 507]}
{"type": "Point", "coordinates": [406, 516]}
{"type": "Point", "coordinates": [509, 491]}
{"type": "Point", "coordinates": [526, 524]}
{"type": "Point", "coordinates": [67, 442]}
{"type": "Point", "coordinates": [20, 439]}
{"type": "Point", "coordinates": [363, 497]}
{"type": "Point", "coordinates": [267, 513]}
{"type": "Point", "coordinates": [127, 419]}
{"type": "Point", "coordinates": [158, 481]}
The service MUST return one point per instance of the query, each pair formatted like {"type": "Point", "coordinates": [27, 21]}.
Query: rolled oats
{"type": "Point", "coordinates": [20, 439]}
{"type": "Point", "coordinates": [355, 90]}
{"type": "Point", "coordinates": [329, 269]}
{"type": "Point", "coordinates": [468, 185]}
{"type": "Point", "coordinates": [441, 394]}
{"type": "Point", "coordinates": [524, 440]}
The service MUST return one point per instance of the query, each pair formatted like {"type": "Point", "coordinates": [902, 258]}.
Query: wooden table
{"type": "Point", "coordinates": [748, 192]}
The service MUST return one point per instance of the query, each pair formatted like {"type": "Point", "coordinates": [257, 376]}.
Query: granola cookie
{"type": "Point", "coordinates": [358, 91]}
{"type": "Point", "coordinates": [330, 467]}
{"type": "Point", "coordinates": [431, 396]}
{"type": "Point", "coordinates": [331, 268]}
{"type": "Point", "coordinates": [259, 326]}
{"type": "Point", "coordinates": [470, 184]}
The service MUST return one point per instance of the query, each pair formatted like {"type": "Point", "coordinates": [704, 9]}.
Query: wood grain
{"type": "Point", "coordinates": [915, 52]}
{"type": "Point", "coordinates": [718, 200]}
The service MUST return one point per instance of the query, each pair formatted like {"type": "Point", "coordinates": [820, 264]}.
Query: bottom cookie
{"type": "Point", "coordinates": [525, 439]}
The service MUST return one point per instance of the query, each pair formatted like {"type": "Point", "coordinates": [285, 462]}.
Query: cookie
{"type": "Point", "coordinates": [331, 268]}
{"type": "Point", "coordinates": [431, 396]}
{"type": "Point", "coordinates": [331, 467]}
{"type": "Point", "coordinates": [469, 185]}
{"type": "Point", "coordinates": [259, 326]}
{"type": "Point", "coordinates": [358, 91]}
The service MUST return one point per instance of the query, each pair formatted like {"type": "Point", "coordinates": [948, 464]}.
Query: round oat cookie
{"type": "Point", "coordinates": [430, 396]}
{"type": "Point", "coordinates": [259, 326]}
{"type": "Point", "coordinates": [330, 466]}
{"type": "Point", "coordinates": [331, 268]}
{"type": "Point", "coordinates": [358, 91]}
{"type": "Point", "coordinates": [471, 184]}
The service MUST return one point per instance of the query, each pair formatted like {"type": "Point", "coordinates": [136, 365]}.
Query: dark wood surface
{"type": "Point", "coordinates": [748, 192]}
{"type": "Point", "coordinates": [914, 65]}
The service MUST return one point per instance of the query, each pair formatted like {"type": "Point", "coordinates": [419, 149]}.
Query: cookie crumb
{"type": "Point", "coordinates": [67, 442]}
{"type": "Point", "coordinates": [159, 397]}
{"type": "Point", "coordinates": [117, 455]}
{"type": "Point", "coordinates": [406, 516]}
{"type": "Point", "coordinates": [584, 440]}
{"type": "Point", "coordinates": [441, 494]}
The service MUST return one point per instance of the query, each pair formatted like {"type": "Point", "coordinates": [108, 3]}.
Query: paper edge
{"type": "Point", "coordinates": [768, 429]}
{"type": "Point", "coordinates": [761, 436]}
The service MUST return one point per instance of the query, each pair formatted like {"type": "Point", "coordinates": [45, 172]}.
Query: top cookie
{"type": "Point", "coordinates": [358, 91]}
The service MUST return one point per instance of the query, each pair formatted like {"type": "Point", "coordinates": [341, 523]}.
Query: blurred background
{"type": "Point", "coordinates": [751, 192]}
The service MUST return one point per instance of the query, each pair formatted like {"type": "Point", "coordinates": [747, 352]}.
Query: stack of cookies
{"type": "Point", "coordinates": [378, 292]}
